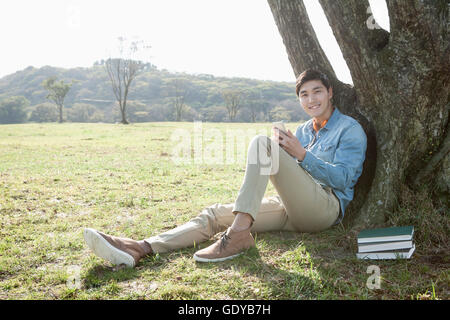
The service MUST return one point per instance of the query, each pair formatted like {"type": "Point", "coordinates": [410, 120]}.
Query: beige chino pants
{"type": "Point", "coordinates": [302, 204]}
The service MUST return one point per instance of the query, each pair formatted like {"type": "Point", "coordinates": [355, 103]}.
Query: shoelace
{"type": "Point", "coordinates": [223, 240]}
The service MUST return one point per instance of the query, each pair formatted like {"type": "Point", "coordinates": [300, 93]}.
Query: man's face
{"type": "Point", "coordinates": [315, 99]}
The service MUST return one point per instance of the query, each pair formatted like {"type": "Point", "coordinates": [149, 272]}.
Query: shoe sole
{"type": "Point", "coordinates": [105, 250]}
{"type": "Point", "coordinates": [200, 259]}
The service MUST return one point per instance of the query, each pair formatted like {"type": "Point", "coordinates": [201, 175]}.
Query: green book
{"type": "Point", "coordinates": [386, 234]}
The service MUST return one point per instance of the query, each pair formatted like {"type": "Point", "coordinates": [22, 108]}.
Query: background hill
{"type": "Point", "coordinates": [151, 97]}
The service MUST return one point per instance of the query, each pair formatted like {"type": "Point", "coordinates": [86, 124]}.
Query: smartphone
{"type": "Point", "coordinates": [280, 126]}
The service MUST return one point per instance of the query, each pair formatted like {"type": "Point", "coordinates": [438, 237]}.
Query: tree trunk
{"type": "Point", "coordinates": [60, 109]}
{"type": "Point", "coordinates": [232, 98]}
{"type": "Point", "coordinates": [123, 112]}
{"type": "Point", "coordinates": [121, 73]}
{"type": "Point", "coordinates": [124, 103]}
{"type": "Point", "coordinates": [400, 94]}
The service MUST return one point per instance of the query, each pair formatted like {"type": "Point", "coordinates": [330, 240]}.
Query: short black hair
{"type": "Point", "coordinates": [308, 75]}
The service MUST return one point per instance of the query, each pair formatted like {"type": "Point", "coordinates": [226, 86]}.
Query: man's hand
{"type": "Point", "coordinates": [290, 143]}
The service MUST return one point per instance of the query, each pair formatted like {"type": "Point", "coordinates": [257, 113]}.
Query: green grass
{"type": "Point", "coordinates": [56, 179]}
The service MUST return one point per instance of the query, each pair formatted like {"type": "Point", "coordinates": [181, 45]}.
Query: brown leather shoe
{"type": "Point", "coordinates": [230, 245]}
{"type": "Point", "coordinates": [114, 249]}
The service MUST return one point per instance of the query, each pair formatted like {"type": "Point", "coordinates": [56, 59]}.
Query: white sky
{"type": "Point", "coordinates": [232, 38]}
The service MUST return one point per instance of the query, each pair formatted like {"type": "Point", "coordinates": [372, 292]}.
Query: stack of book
{"type": "Point", "coordinates": [386, 243]}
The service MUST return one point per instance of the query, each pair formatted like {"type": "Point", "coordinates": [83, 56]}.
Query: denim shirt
{"type": "Point", "coordinates": [334, 155]}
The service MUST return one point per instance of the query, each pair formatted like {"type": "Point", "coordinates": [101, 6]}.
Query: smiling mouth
{"type": "Point", "coordinates": [315, 107]}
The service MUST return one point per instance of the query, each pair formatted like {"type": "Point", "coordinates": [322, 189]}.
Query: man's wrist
{"type": "Point", "coordinates": [301, 156]}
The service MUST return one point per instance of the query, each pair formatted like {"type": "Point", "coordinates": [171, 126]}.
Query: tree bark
{"type": "Point", "coordinates": [60, 110]}
{"type": "Point", "coordinates": [400, 94]}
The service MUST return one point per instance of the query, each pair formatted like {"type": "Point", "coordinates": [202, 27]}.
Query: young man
{"type": "Point", "coordinates": [315, 172]}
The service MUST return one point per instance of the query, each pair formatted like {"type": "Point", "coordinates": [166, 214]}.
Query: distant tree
{"type": "Point", "coordinates": [178, 89]}
{"type": "Point", "coordinates": [84, 93]}
{"type": "Point", "coordinates": [280, 113]}
{"type": "Point", "coordinates": [158, 112]}
{"type": "Point", "coordinates": [152, 89]}
{"type": "Point", "coordinates": [253, 108]}
{"type": "Point", "coordinates": [57, 91]}
{"type": "Point", "coordinates": [138, 111]}
{"type": "Point", "coordinates": [81, 112]}
{"type": "Point", "coordinates": [214, 113]}
{"type": "Point", "coordinates": [44, 112]}
{"type": "Point", "coordinates": [98, 116]}
{"type": "Point", "coordinates": [122, 71]}
{"type": "Point", "coordinates": [265, 109]}
{"type": "Point", "coordinates": [295, 109]}
{"type": "Point", "coordinates": [99, 62]}
{"type": "Point", "coordinates": [190, 114]}
{"type": "Point", "coordinates": [253, 105]}
{"type": "Point", "coordinates": [233, 99]}
{"type": "Point", "coordinates": [12, 109]}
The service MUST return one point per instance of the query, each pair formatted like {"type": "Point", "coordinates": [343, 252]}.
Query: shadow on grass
{"type": "Point", "coordinates": [288, 263]}
{"type": "Point", "coordinates": [102, 275]}
{"type": "Point", "coordinates": [282, 284]}
{"type": "Point", "coordinates": [284, 265]}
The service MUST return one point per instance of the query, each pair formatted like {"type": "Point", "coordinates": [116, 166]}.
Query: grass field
{"type": "Point", "coordinates": [56, 179]}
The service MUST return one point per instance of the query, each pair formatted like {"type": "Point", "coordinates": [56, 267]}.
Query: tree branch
{"type": "Point", "coordinates": [358, 40]}
{"type": "Point", "coordinates": [112, 78]}
{"type": "Point", "coordinates": [303, 48]}
{"type": "Point", "coordinates": [421, 23]}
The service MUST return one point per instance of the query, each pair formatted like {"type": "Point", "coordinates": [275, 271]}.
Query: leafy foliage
{"type": "Point", "coordinates": [44, 112]}
{"type": "Point", "coordinates": [153, 92]}
{"type": "Point", "coordinates": [57, 91]}
{"type": "Point", "coordinates": [12, 110]}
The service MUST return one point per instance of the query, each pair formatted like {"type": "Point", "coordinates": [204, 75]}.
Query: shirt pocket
{"type": "Point", "coordinates": [326, 152]}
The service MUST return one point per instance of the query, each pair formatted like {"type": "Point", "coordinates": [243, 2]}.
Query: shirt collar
{"type": "Point", "coordinates": [331, 122]}
{"type": "Point", "coordinates": [333, 119]}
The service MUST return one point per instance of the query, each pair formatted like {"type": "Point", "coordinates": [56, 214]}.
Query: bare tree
{"type": "Point", "coordinates": [123, 70]}
{"type": "Point", "coordinates": [179, 90]}
{"type": "Point", "coordinates": [232, 98]}
{"type": "Point", "coordinates": [253, 104]}
{"type": "Point", "coordinates": [400, 94]}
{"type": "Point", "coordinates": [253, 108]}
